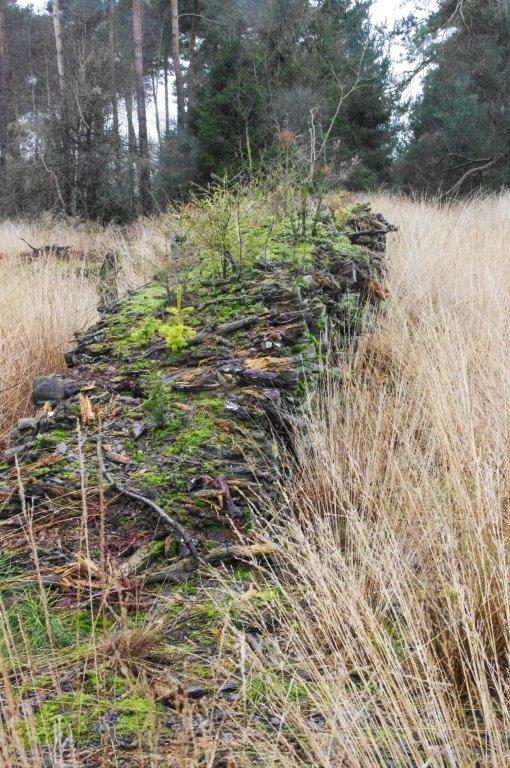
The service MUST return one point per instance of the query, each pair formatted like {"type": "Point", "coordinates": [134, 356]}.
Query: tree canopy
{"type": "Point", "coordinates": [111, 108]}
{"type": "Point", "coordinates": [460, 126]}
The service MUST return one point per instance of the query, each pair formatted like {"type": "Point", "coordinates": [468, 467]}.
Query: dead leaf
{"type": "Point", "coordinates": [116, 458]}
{"type": "Point", "coordinates": [87, 415]}
{"type": "Point", "coordinates": [376, 290]}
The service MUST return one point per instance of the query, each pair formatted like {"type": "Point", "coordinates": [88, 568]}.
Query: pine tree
{"type": "Point", "coordinates": [460, 127]}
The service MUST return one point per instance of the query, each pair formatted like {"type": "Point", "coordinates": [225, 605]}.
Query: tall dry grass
{"type": "Point", "coordinates": [46, 300]}
{"type": "Point", "coordinates": [394, 645]}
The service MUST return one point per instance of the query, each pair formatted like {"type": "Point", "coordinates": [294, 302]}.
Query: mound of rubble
{"type": "Point", "coordinates": [162, 449]}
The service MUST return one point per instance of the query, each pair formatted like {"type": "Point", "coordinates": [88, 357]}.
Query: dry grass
{"type": "Point", "coordinates": [395, 545]}
{"type": "Point", "coordinates": [45, 301]}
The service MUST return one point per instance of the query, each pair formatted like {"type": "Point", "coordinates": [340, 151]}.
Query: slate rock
{"type": "Point", "coordinates": [53, 389]}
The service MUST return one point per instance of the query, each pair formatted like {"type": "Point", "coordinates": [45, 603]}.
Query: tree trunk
{"type": "Point", "coordinates": [156, 107]}
{"type": "Point", "coordinates": [192, 53]}
{"type": "Point", "coordinates": [67, 184]}
{"type": "Point", "coordinates": [143, 142]}
{"type": "Point", "coordinates": [167, 111]}
{"type": "Point", "coordinates": [132, 149]}
{"type": "Point", "coordinates": [176, 56]}
{"type": "Point", "coordinates": [5, 85]}
{"type": "Point", "coordinates": [113, 80]}
{"type": "Point", "coordinates": [58, 45]}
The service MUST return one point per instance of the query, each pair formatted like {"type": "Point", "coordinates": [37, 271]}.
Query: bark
{"type": "Point", "coordinates": [113, 79]}
{"type": "Point", "coordinates": [156, 107]}
{"type": "Point", "coordinates": [67, 184]}
{"type": "Point", "coordinates": [143, 142]}
{"type": "Point", "coordinates": [5, 84]}
{"type": "Point", "coordinates": [132, 148]}
{"type": "Point", "coordinates": [192, 52]}
{"type": "Point", "coordinates": [167, 111]}
{"type": "Point", "coordinates": [57, 28]}
{"type": "Point", "coordinates": [176, 56]}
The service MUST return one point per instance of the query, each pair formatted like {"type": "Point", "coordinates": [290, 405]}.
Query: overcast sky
{"type": "Point", "coordinates": [382, 11]}
{"type": "Point", "coordinates": [387, 11]}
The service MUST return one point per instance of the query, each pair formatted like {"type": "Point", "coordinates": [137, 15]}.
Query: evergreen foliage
{"type": "Point", "coordinates": [460, 127]}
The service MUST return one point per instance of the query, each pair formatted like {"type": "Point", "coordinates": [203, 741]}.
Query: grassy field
{"type": "Point", "coordinates": [46, 300]}
{"type": "Point", "coordinates": [393, 539]}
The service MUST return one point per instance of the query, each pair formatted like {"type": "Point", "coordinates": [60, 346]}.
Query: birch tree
{"type": "Point", "coordinates": [143, 142]}
{"type": "Point", "coordinates": [176, 56]}
{"type": "Point", "coordinates": [57, 29]}
{"type": "Point", "coordinates": [5, 84]}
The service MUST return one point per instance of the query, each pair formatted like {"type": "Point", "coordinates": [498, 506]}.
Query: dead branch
{"type": "Point", "coordinates": [471, 171]}
{"type": "Point", "coordinates": [223, 554]}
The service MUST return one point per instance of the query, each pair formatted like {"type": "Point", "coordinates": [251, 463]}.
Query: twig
{"type": "Point", "coordinates": [471, 171]}
{"type": "Point", "coordinates": [27, 243]}
{"type": "Point", "coordinates": [177, 527]}
{"type": "Point", "coordinates": [222, 554]}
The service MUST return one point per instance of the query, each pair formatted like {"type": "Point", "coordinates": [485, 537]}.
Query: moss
{"type": "Point", "coordinates": [35, 684]}
{"type": "Point", "coordinates": [78, 714]}
{"type": "Point", "coordinates": [242, 573]}
{"type": "Point", "coordinates": [156, 548]}
{"type": "Point", "coordinates": [232, 306]}
{"type": "Point", "coordinates": [214, 404]}
{"type": "Point", "coordinates": [181, 515]}
{"type": "Point", "coordinates": [182, 650]}
{"type": "Point", "coordinates": [200, 671]}
{"type": "Point", "coordinates": [144, 332]}
{"type": "Point", "coordinates": [207, 610]}
{"type": "Point", "coordinates": [68, 714]}
{"type": "Point", "coordinates": [68, 476]}
{"type": "Point", "coordinates": [41, 471]}
{"type": "Point", "coordinates": [171, 548]}
{"type": "Point", "coordinates": [264, 596]}
{"type": "Point", "coordinates": [81, 622]}
{"type": "Point", "coordinates": [260, 686]}
{"type": "Point", "coordinates": [171, 426]}
{"type": "Point", "coordinates": [351, 308]}
{"type": "Point", "coordinates": [300, 390]}
{"type": "Point", "coordinates": [136, 715]}
{"type": "Point", "coordinates": [186, 588]}
{"type": "Point", "coordinates": [201, 432]}
{"type": "Point", "coordinates": [144, 302]}
{"type": "Point", "coordinates": [153, 479]}
{"type": "Point", "coordinates": [341, 215]}
{"type": "Point", "coordinates": [51, 439]}
{"type": "Point", "coordinates": [209, 636]}
{"type": "Point", "coordinates": [342, 246]}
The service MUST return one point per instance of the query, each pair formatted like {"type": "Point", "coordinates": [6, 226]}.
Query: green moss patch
{"type": "Point", "coordinates": [80, 715]}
